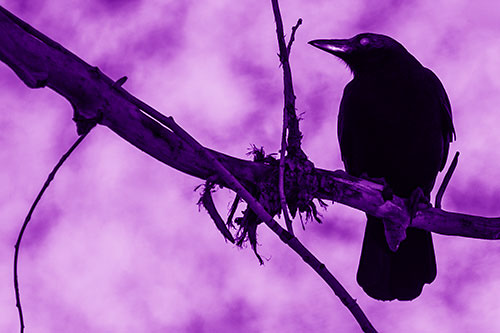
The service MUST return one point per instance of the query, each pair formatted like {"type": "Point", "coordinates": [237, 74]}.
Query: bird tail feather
{"type": "Point", "coordinates": [387, 275]}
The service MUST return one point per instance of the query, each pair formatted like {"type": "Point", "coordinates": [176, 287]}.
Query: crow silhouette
{"type": "Point", "coordinates": [394, 123]}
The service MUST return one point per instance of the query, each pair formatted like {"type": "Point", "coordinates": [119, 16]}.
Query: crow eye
{"type": "Point", "coordinates": [364, 41]}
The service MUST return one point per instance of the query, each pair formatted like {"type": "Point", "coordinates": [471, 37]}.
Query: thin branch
{"type": "Point", "coordinates": [285, 236]}
{"type": "Point", "coordinates": [232, 211]}
{"type": "Point", "coordinates": [294, 134]}
{"type": "Point", "coordinates": [28, 218]}
{"type": "Point", "coordinates": [208, 203]}
{"type": "Point", "coordinates": [446, 180]}
{"type": "Point", "coordinates": [292, 36]}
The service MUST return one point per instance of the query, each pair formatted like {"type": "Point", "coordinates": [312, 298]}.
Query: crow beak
{"type": "Point", "coordinates": [337, 47]}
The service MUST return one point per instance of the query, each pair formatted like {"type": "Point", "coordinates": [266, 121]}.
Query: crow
{"type": "Point", "coordinates": [394, 123]}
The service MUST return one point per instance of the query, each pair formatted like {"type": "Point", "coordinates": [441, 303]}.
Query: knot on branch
{"type": "Point", "coordinates": [85, 124]}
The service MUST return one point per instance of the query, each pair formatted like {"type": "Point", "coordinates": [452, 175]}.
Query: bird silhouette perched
{"type": "Point", "coordinates": [394, 123]}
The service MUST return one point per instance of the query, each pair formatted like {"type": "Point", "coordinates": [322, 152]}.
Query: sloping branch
{"type": "Point", "coordinates": [40, 62]}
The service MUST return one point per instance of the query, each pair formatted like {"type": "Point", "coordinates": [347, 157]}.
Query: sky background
{"type": "Point", "coordinates": [118, 244]}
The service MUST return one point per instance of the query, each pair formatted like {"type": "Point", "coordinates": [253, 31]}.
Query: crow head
{"type": "Point", "coordinates": [366, 52]}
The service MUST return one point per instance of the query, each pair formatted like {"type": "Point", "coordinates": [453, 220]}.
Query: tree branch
{"type": "Point", "coordinates": [40, 62]}
{"type": "Point", "coordinates": [292, 36]}
{"type": "Point", "coordinates": [294, 135]}
{"type": "Point", "coordinates": [17, 246]}
{"type": "Point", "coordinates": [89, 90]}
{"type": "Point", "coordinates": [367, 196]}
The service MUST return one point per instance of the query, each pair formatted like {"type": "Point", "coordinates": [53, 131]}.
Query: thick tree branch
{"type": "Point", "coordinates": [91, 92]}
{"type": "Point", "coordinates": [367, 196]}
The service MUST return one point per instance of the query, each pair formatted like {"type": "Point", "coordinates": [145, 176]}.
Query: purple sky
{"type": "Point", "coordinates": [118, 244]}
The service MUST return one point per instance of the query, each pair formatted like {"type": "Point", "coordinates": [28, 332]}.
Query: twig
{"type": "Point", "coordinates": [446, 180]}
{"type": "Point", "coordinates": [28, 218]}
{"type": "Point", "coordinates": [292, 36]}
{"type": "Point", "coordinates": [208, 203]}
{"type": "Point", "coordinates": [232, 211]}
{"type": "Point", "coordinates": [285, 236]}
